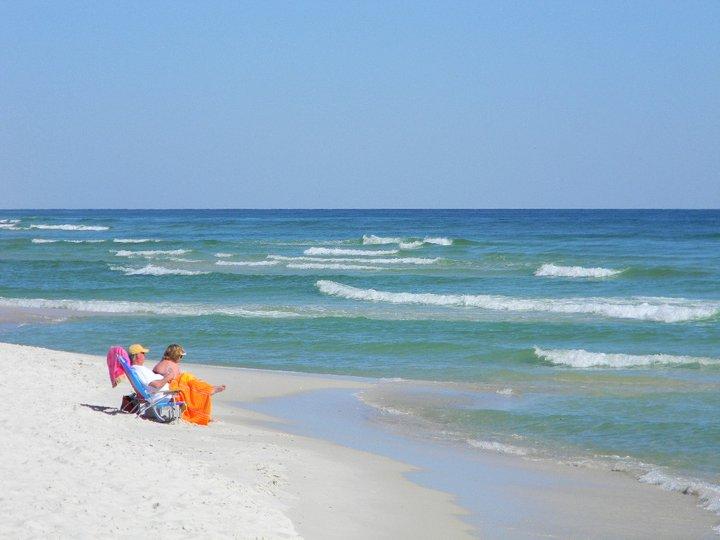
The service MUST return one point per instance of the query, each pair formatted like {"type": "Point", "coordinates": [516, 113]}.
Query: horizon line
{"type": "Point", "coordinates": [171, 208]}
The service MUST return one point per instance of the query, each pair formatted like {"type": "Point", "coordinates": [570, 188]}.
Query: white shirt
{"type": "Point", "coordinates": [147, 375]}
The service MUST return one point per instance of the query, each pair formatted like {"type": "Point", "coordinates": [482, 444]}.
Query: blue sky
{"type": "Point", "coordinates": [359, 104]}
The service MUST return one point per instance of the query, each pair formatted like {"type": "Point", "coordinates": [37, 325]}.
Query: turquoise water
{"type": "Point", "coordinates": [584, 336]}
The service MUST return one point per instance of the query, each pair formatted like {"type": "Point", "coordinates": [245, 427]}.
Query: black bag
{"type": "Point", "coordinates": [129, 404]}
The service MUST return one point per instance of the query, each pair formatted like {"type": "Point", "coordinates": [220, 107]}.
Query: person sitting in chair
{"type": "Point", "coordinates": [154, 381]}
{"type": "Point", "coordinates": [196, 393]}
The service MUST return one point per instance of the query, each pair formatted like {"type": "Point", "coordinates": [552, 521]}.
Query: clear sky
{"type": "Point", "coordinates": [345, 104]}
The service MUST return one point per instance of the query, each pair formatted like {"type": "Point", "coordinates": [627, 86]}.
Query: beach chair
{"type": "Point", "coordinates": [162, 406]}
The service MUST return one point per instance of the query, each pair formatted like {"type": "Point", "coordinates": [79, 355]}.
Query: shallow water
{"type": "Point", "coordinates": [585, 336]}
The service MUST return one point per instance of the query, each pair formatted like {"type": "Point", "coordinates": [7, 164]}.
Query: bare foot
{"type": "Point", "coordinates": [217, 389]}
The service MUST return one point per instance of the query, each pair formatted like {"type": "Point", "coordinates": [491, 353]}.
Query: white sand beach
{"type": "Point", "coordinates": [72, 466]}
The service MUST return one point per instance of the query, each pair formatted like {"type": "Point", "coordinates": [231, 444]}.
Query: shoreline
{"type": "Point", "coordinates": [294, 482]}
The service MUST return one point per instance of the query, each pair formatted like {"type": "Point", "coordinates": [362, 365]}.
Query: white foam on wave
{"type": "Point", "coordinates": [151, 253]}
{"type": "Point", "coordinates": [331, 266]}
{"type": "Point", "coordinates": [372, 239]}
{"type": "Point", "coordinates": [9, 221]}
{"type": "Point", "coordinates": [152, 270]}
{"type": "Point", "coordinates": [708, 494]}
{"type": "Point", "coordinates": [69, 227]}
{"type": "Point", "coordinates": [552, 270]}
{"type": "Point", "coordinates": [647, 309]}
{"type": "Point", "coordinates": [134, 240]}
{"type": "Point", "coordinates": [9, 226]}
{"type": "Point", "coordinates": [140, 308]}
{"type": "Point", "coordinates": [580, 358]}
{"type": "Point", "coordinates": [403, 243]}
{"type": "Point", "coordinates": [247, 263]}
{"type": "Point", "coordinates": [410, 245]}
{"type": "Point", "coordinates": [223, 255]}
{"type": "Point", "coordinates": [341, 251]}
{"type": "Point", "coordinates": [440, 241]}
{"type": "Point", "coordinates": [495, 446]}
{"type": "Point", "coordinates": [505, 392]}
{"type": "Point", "coordinates": [48, 241]}
{"type": "Point", "coordinates": [392, 260]}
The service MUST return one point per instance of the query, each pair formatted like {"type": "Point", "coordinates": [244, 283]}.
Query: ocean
{"type": "Point", "coordinates": [590, 337]}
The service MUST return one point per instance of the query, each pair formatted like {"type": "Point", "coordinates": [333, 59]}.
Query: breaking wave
{"type": "Point", "coordinates": [331, 266]}
{"type": "Point", "coordinates": [440, 241]}
{"type": "Point", "coordinates": [708, 494]}
{"type": "Point", "coordinates": [46, 241]}
{"type": "Point", "coordinates": [223, 255]}
{"type": "Point", "coordinates": [410, 245]}
{"type": "Point", "coordinates": [134, 240]}
{"type": "Point", "coordinates": [246, 263]}
{"type": "Point", "coordinates": [140, 308]}
{"type": "Point", "coordinates": [404, 243]}
{"type": "Point", "coordinates": [393, 260]}
{"type": "Point", "coordinates": [580, 358]}
{"type": "Point", "coordinates": [646, 309]}
{"type": "Point", "coordinates": [151, 253]}
{"type": "Point", "coordinates": [152, 270]}
{"type": "Point", "coordinates": [69, 227]}
{"type": "Point", "coordinates": [552, 270]}
{"type": "Point", "coordinates": [372, 239]}
{"type": "Point", "coordinates": [341, 251]}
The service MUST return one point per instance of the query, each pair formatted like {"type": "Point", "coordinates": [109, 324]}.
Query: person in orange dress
{"type": "Point", "coordinates": [195, 392]}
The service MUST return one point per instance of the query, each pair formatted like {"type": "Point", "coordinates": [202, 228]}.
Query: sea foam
{"type": "Point", "coordinates": [47, 241]}
{"type": "Point", "coordinates": [139, 308]}
{"type": "Point", "coordinates": [580, 358]}
{"type": "Point", "coordinates": [341, 251]}
{"type": "Point", "coordinates": [391, 260]}
{"type": "Point", "coordinates": [152, 270]}
{"type": "Point", "coordinates": [246, 263]}
{"type": "Point", "coordinates": [372, 239]}
{"type": "Point", "coordinates": [440, 241]}
{"type": "Point", "coordinates": [69, 227]}
{"type": "Point", "coordinates": [552, 270]}
{"type": "Point", "coordinates": [331, 266]}
{"type": "Point", "coordinates": [647, 309]}
{"type": "Point", "coordinates": [498, 447]}
{"type": "Point", "coordinates": [708, 494]}
{"type": "Point", "coordinates": [151, 253]}
{"type": "Point", "coordinates": [134, 240]}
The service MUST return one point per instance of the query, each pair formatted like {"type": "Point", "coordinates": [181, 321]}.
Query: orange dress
{"type": "Point", "coordinates": [196, 394]}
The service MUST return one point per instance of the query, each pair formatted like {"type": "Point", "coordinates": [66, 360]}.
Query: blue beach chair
{"type": "Point", "coordinates": [161, 405]}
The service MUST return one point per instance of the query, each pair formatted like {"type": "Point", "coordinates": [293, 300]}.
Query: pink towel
{"type": "Point", "coordinates": [114, 369]}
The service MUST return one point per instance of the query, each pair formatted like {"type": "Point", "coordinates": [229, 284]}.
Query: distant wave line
{"type": "Point", "coordinates": [342, 251]}
{"type": "Point", "coordinates": [552, 270]}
